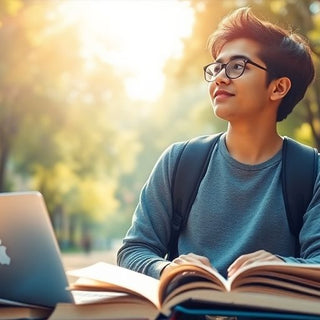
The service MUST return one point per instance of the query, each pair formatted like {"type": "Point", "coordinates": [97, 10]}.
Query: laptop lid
{"type": "Point", "coordinates": [31, 269]}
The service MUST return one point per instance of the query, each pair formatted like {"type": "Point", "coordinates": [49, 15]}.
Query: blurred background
{"type": "Point", "coordinates": [92, 92]}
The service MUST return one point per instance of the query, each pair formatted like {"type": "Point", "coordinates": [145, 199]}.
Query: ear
{"type": "Point", "coordinates": [279, 88]}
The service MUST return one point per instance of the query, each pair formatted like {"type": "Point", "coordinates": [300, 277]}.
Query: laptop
{"type": "Point", "coordinates": [31, 269]}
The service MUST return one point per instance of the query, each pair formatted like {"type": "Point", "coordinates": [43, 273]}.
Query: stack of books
{"type": "Point", "coordinates": [271, 290]}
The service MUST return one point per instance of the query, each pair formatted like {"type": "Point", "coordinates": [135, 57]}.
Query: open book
{"type": "Point", "coordinates": [270, 286]}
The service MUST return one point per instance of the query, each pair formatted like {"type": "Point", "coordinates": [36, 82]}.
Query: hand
{"type": "Point", "coordinates": [187, 259]}
{"type": "Point", "coordinates": [247, 259]}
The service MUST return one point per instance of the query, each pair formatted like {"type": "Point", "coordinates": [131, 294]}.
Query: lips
{"type": "Point", "coordinates": [222, 93]}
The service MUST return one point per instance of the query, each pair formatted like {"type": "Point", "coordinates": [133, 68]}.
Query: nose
{"type": "Point", "coordinates": [222, 77]}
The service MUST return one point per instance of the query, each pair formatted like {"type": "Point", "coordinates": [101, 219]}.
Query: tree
{"type": "Point", "coordinates": [29, 107]}
{"type": "Point", "coordinates": [64, 127]}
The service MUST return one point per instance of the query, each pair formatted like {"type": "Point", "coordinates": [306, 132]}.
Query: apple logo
{"type": "Point", "coordinates": [4, 258]}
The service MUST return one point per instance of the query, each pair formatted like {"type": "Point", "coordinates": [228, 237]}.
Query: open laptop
{"type": "Point", "coordinates": [31, 269]}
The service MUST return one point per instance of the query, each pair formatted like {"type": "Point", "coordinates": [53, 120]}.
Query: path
{"type": "Point", "coordinates": [79, 260]}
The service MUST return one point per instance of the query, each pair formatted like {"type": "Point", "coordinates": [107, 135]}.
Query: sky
{"type": "Point", "coordinates": [136, 36]}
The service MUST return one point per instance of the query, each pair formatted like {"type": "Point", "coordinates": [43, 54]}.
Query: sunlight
{"type": "Point", "coordinates": [136, 36]}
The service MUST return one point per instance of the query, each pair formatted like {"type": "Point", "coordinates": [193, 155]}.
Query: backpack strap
{"type": "Point", "coordinates": [298, 175]}
{"type": "Point", "coordinates": [190, 168]}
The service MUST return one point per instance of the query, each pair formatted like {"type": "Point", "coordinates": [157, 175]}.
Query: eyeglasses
{"type": "Point", "coordinates": [234, 68]}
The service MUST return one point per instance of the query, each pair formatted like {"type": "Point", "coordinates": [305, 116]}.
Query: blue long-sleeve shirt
{"type": "Point", "coordinates": [239, 209]}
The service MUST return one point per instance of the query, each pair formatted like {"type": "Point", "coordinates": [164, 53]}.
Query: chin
{"type": "Point", "coordinates": [222, 113]}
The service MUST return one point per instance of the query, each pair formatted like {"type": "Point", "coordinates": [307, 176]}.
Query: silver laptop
{"type": "Point", "coordinates": [31, 269]}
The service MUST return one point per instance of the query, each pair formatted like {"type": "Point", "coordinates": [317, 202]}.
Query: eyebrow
{"type": "Point", "coordinates": [237, 56]}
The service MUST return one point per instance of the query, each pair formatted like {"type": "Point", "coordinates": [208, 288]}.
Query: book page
{"type": "Point", "coordinates": [86, 297]}
{"type": "Point", "coordinates": [284, 274]}
{"type": "Point", "coordinates": [121, 278]}
{"type": "Point", "coordinates": [187, 276]}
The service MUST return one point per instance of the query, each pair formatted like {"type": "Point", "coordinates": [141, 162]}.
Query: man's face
{"type": "Point", "coordinates": [245, 98]}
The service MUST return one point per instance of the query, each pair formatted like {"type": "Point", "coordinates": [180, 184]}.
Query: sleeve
{"type": "Point", "coordinates": [145, 244]}
{"type": "Point", "coordinates": [309, 237]}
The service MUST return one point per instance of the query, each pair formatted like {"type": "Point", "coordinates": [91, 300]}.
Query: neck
{"type": "Point", "coordinates": [252, 146]}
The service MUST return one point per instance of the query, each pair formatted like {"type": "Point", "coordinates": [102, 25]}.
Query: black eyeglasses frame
{"type": "Point", "coordinates": [224, 66]}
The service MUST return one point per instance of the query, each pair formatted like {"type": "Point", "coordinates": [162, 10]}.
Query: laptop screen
{"type": "Point", "coordinates": [31, 269]}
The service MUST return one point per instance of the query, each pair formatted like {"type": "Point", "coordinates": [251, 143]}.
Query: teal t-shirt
{"type": "Point", "coordinates": [239, 209]}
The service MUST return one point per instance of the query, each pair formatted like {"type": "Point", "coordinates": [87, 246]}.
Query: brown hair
{"type": "Point", "coordinates": [285, 54]}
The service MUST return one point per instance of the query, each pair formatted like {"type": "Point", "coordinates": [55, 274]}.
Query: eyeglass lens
{"type": "Point", "coordinates": [234, 69]}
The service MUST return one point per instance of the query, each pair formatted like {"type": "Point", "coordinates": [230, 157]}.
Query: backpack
{"type": "Point", "coordinates": [299, 171]}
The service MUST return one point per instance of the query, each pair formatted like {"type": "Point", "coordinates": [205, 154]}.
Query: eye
{"type": "Point", "coordinates": [237, 65]}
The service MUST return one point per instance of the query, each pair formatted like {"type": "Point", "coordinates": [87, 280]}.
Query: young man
{"type": "Point", "coordinates": [259, 73]}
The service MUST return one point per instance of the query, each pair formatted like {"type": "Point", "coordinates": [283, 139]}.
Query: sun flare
{"type": "Point", "coordinates": [136, 36]}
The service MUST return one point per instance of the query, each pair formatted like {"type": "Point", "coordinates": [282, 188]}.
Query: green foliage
{"type": "Point", "coordinates": [69, 130]}
{"type": "Point", "coordinates": [185, 74]}
{"type": "Point", "coordinates": [63, 126]}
